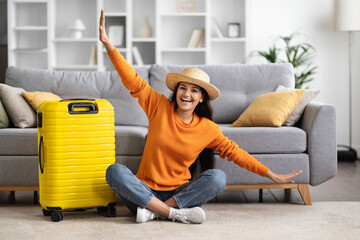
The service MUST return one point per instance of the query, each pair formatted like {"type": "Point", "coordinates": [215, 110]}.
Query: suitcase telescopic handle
{"type": "Point", "coordinates": [89, 105]}
{"type": "Point", "coordinates": [40, 144]}
{"type": "Point", "coordinates": [76, 99]}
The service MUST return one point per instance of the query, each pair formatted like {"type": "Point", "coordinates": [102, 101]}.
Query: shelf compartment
{"type": "Point", "coordinates": [116, 21]}
{"type": "Point", "coordinates": [142, 9]}
{"type": "Point", "coordinates": [66, 13]}
{"type": "Point", "coordinates": [114, 6]}
{"type": "Point", "coordinates": [30, 39]}
{"type": "Point", "coordinates": [32, 13]}
{"type": "Point", "coordinates": [147, 52]}
{"type": "Point", "coordinates": [223, 16]}
{"type": "Point", "coordinates": [183, 58]}
{"type": "Point", "coordinates": [176, 32]}
{"type": "Point", "coordinates": [31, 59]}
{"type": "Point", "coordinates": [73, 53]}
{"type": "Point", "coordinates": [231, 52]}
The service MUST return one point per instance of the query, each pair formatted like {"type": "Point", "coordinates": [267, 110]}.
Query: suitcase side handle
{"type": "Point", "coordinates": [90, 106]}
{"type": "Point", "coordinates": [40, 144]}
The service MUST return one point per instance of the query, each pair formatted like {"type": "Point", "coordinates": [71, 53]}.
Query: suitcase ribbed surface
{"type": "Point", "coordinates": [77, 145]}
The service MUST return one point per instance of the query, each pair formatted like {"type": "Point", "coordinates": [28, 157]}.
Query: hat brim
{"type": "Point", "coordinates": [172, 79]}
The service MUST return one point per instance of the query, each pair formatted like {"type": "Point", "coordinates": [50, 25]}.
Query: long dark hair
{"type": "Point", "coordinates": [206, 159]}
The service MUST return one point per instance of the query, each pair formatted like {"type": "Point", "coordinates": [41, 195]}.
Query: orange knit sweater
{"type": "Point", "coordinates": [172, 145]}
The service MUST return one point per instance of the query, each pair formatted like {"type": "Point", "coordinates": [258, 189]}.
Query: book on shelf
{"type": "Point", "coordinates": [93, 57]}
{"type": "Point", "coordinates": [197, 38]}
{"type": "Point", "coordinates": [216, 28]}
{"type": "Point", "coordinates": [137, 56]}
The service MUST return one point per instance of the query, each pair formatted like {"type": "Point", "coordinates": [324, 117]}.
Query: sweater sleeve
{"type": "Point", "coordinates": [148, 98]}
{"type": "Point", "coordinates": [233, 152]}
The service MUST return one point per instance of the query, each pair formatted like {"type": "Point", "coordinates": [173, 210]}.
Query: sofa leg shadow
{"type": "Point", "coordinates": [36, 198]}
{"type": "Point", "coordinates": [11, 197]}
{"type": "Point", "coordinates": [261, 199]}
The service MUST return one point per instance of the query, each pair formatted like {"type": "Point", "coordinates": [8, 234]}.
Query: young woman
{"type": "Point", "coordinates": [180, 131]}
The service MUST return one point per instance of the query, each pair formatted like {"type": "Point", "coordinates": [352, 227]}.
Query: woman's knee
{"type": "Point", "coordinates": [217, 178]}
{"type": "Point", "coordinates": [115, 171]}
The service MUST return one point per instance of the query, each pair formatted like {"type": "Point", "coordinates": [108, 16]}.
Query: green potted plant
{"type": "Point", "coordinates": [300, 55]}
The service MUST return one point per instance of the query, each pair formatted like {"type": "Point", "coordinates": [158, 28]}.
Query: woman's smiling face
{"type": "Point", "coordinates": [188, 96]}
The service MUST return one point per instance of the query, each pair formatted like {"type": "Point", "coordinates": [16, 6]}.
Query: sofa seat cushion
{"type": "Point", "coordinates": [18, 141]}
{"type": "Point", "coordinates": [267, 139]}
{"type": "Point", "coordinates": [130, 140]}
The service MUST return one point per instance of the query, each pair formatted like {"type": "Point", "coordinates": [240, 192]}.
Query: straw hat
{"type": "Point", "coordinates": [194, 76]}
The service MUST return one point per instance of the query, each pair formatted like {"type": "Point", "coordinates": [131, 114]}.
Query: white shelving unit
{"type": "Point", "coordinates": [39, 35]}
{"type": "Point", "coordinates": [27, 33]}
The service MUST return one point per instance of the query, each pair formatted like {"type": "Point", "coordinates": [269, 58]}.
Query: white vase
{"type": "Point", "coordinates": [145, 30]}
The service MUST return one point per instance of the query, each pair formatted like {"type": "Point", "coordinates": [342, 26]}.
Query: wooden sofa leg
{"type": "Point", "coordinates": [305, 194]}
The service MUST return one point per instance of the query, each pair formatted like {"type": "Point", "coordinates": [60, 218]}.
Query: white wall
{"type": "Point", "coordinates": [269, 18]}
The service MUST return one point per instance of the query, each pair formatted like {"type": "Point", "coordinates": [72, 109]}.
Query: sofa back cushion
{"type": "Point", "coordinates": [66, 84]}
{"type": "Point", "coordinates": [239, 84]}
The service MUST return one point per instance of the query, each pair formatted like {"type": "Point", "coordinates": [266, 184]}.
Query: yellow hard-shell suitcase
{"type": "Point", "coordinates": [76, 140]}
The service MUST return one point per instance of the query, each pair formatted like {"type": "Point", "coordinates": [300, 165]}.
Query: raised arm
{"type": "Point", "coordinates": [102, 33]}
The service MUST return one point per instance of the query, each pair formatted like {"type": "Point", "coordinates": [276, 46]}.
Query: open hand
{"type": "Point", "coordinates": [102, 33]}
{"type": "Point", "coordinates": [283, 178]}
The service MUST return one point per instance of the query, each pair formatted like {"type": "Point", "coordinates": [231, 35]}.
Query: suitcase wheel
{"type": "Point", "coordinates": [56, 216]}
{"type": "Point", "coordinates": [111, 210]}
{"type": "Point", "coordinates": [101, 209]}
{"type": "Point", "coordinates": [46, 212]}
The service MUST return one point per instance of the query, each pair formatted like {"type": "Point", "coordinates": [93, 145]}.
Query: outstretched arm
{"type": "Point", "coordinates": [233, 152]}
{"type": "Point", "coordinates": [284, 178]}
{"type": "Point", "coordinates": [103, 36]}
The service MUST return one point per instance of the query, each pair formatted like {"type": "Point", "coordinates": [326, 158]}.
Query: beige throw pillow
{"type": "Point", "coordinates": [309, 95]}
{"type": "Point", "coordinates": [19, 111]}
{"type": "Point", "coordinates": [4, 119]}
{"type": "Point", "coordinates": [37, 98]}
{"type": "Point", "coordinates": [269, 110]}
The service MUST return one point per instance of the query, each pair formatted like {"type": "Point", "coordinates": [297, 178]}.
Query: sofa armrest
{"type": "Point", "coordinates": [319, 123]}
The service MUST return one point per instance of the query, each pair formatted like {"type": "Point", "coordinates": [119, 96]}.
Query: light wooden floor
{"type": "Point", "coordinates": [344, 187]}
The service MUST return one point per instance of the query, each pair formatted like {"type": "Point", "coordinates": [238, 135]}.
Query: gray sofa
{"type": "Point", "coordinates": [309, 146]}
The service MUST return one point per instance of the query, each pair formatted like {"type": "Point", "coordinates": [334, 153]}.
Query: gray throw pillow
{"type": "Point", "coordinates": [19, 111]}
{"type": "Point", "coordinates": [4, 119]}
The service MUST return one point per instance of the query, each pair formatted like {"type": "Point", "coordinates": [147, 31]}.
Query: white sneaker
{"type": "Point", "coordinates": [190, 215]}
{"type": "Point", "coordinates": [145, 215]}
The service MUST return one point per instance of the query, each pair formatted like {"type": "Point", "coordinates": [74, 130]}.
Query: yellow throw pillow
{"type": "Point", "coordinates": [37, 98]}
{"type": "Point", "coordinates": [269, 110]}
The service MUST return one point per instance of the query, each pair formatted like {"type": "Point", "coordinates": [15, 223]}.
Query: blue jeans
{"type": "Point", "coordinates": [135, 192]}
